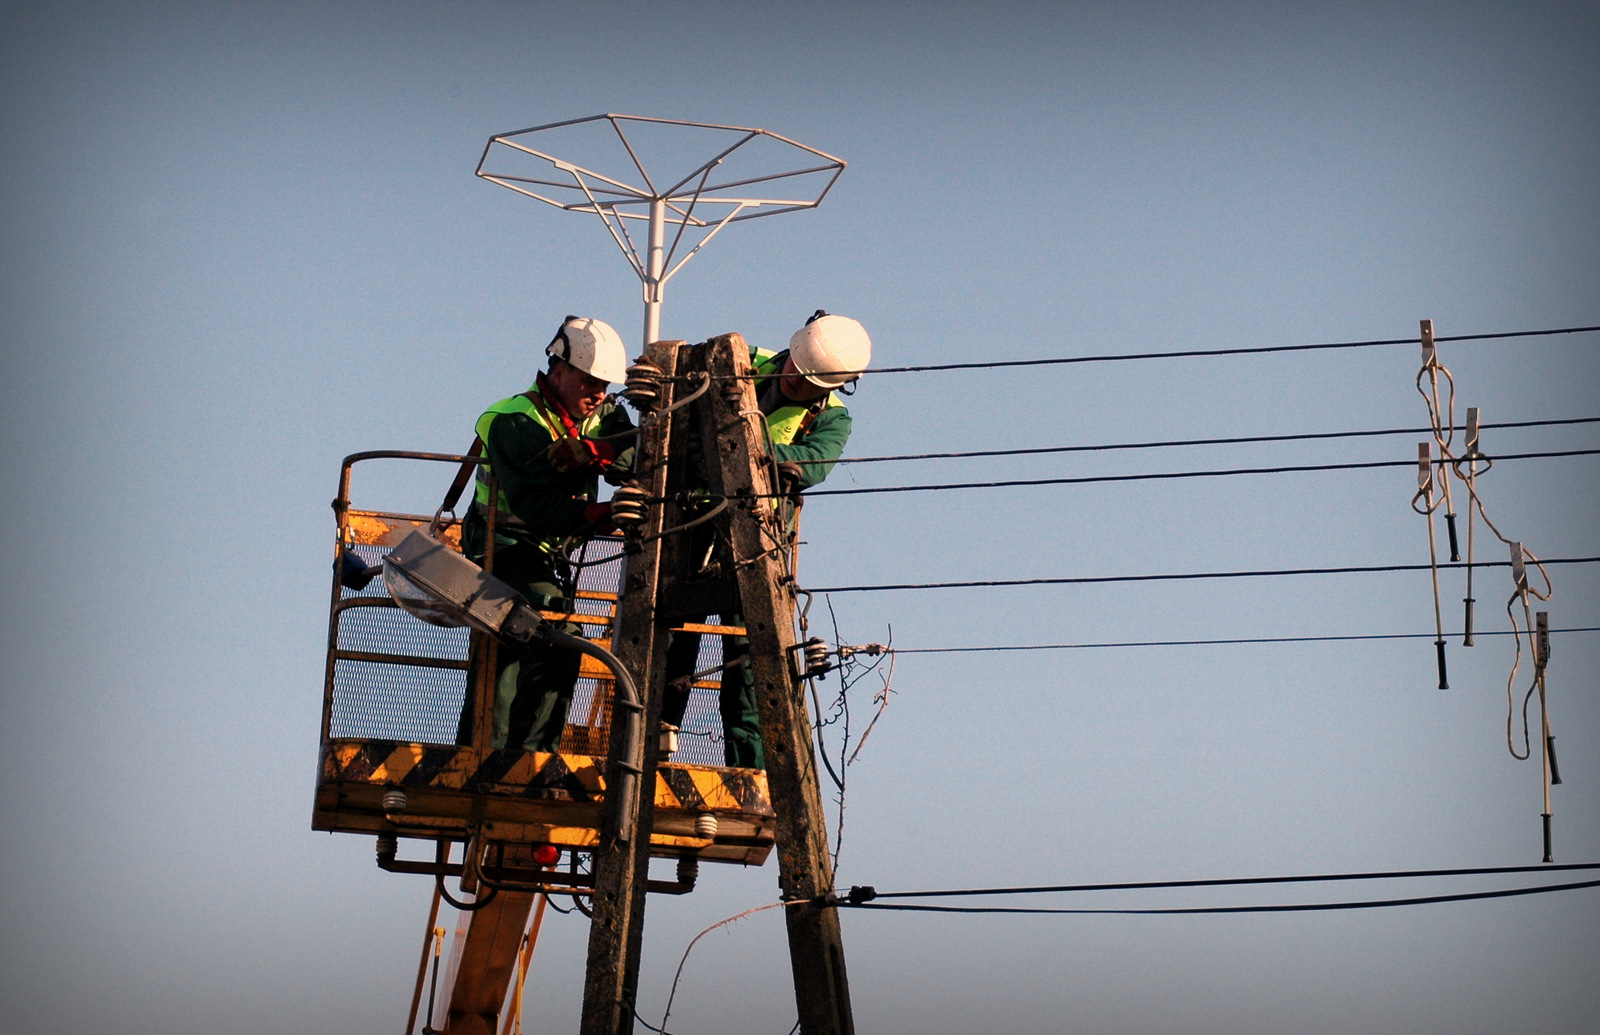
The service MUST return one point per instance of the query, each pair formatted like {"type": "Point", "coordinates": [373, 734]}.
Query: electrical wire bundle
{"type": "Point", "coordinates": [1466, 468]}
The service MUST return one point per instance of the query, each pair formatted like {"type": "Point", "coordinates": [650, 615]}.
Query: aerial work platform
{"type": "Point", "coordinates": [408, 724]}
{"type": "Point", "coordinates": [392, 721]}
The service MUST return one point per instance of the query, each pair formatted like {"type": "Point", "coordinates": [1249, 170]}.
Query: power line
{"type": "Point", "coordinates": [1193, 353]}
{"type": "Point", "coordinates": [1303, 907]}
{"type": "Point", "coordinates": [1181, 576]}
{"type": "Point", "coordinates": [1219, 882]}
{"type": "Point", "coordinates": [1205, 643]}
{"type": "Point", "coordinates": [1169, 475]}
{"type": "Point", "coordinates": [1238, 440]}
{"type": "Point", "coordinates": [865, 897]}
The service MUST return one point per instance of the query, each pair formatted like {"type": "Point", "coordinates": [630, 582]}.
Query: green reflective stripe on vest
{"type": "Point", "coordinates": [786, 421]}
{"type": "Point", "coordinates": [524, 405]}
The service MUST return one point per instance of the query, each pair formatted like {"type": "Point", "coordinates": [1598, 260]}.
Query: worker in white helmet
{"type": "Point", "coordinates": [547, 447]}
{"type": "Point", "coordinates": [808, 427]}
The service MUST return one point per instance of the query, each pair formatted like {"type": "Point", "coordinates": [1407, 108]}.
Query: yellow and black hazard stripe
{"type": "Point", "coordinates": [710, 789]}
{"type": "Point", "coordinates": [534, 774]}
{"type": "Point", "coordinates": [529, 774]}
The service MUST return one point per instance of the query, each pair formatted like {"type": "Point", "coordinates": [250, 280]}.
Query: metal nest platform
{"type": "Point", "coordinates": [705, 177]}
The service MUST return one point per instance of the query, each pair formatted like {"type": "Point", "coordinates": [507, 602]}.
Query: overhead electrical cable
{"type": "Point", "coordinates": [1201, 353]}
{"type": "Point", "coordinates": [1198, 353]}
{"type": "Point", "coordinates": [1222, 882]}
{"type": "Point", "coordinates": [1233, 441]}
{"type": "Point", "coordinates": [1202, 643]}
{"type": "Point", "coordinates": [866, 897]}
{"type": "Point", "coordinates": [1165, 475]}
{"type": "Point", "coordinates": [1302, 907]}
{"type": "Point", "coordinates": [1178, 576]}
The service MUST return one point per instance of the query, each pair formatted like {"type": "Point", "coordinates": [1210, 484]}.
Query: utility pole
{"type": "Point", "coordinates": [604, 168]}
{"type": "Point", "coordinates": [639, 639]}
{"type": "Point", "coordinates": [766, 595]}
{"type": "Point", "coordinates": [726, 426]}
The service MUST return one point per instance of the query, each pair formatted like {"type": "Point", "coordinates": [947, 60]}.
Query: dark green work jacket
{"type": "Point", "coordinates": [538, 506]}
{"type": "Point", "coordinates": [802, 431]}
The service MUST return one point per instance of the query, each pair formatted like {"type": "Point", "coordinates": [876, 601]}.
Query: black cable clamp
{"type": "Point", "coordinates": [859, 893]}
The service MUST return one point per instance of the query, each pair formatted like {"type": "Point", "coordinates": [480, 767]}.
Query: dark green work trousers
{"type": "Point", "coordinates": [533, 686]}
{"type": "Point", "coordinates": [741, 719]}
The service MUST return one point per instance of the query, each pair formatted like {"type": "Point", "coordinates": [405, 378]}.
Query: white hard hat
{"type": "Point", "coordinates": [830, 350]}
{"type": "Point", "coordinates": [593, 346]}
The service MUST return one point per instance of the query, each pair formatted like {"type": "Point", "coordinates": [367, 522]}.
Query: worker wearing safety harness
{"type": "Point", "coordinates": [547, 448]}
{"type": "Point", "coordinates": [807, 428]}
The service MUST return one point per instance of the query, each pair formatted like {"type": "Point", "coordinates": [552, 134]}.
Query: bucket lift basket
{"type": "Point", "coordinates": [394, 693]}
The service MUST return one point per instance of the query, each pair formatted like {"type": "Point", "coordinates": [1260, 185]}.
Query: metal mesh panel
{"type": "Point", "coordinates": [600, 578]}
{"type": "Point", "coordinates": [700, 737]}
{"type": "Point", "coordinates": [589, 718]}
{"type": "Point", "coordinates": [422, 704]}
{"type": "Point", "coordinates": [396, 702]}
{"type": "Point", "coordinates": [389, 630]}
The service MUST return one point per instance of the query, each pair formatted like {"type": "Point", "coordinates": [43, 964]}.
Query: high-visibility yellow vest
{"type": "Point", "coordinates": [524, 404]}
{"type": "Point", "coordinates": [786, 422]}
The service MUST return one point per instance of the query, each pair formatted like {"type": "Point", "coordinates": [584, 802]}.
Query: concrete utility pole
{"type": "Point", "coordinates": [816, 948]}
{"type": "Point", "coordinates": [751, 537]}
{"type": "Point", "coordinates": [639, 639]}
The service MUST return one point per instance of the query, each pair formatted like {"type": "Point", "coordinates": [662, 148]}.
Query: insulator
{"type": "Point", "coordinates": [642, 385]}
{"type": "Point", "coordinates": [818, 657]}
{"type": "Point", "coordinates": [388, 847]}
{"type": "Point", "coordinates": [669, 739]}
{"type": "Point", "coordinates": [394, 800]}
{"type": "Point", "coordinates": [627, 505]}
{"type": "Point", "coordinates": [688, 869]}
{"type": "Point", "coordinates": [705, 825]}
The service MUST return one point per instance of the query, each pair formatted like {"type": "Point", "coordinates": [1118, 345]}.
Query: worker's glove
{"type": "Point", "coordinates": [571, 454]}
{"type": "Point", "coordinates": [627, 506]}
{"type": "Point", "coordinates": [791, 476]}
{"type": "Point", "coordinates": [568, 454]}
{"type": "Point", "coordinates": [599, 516]}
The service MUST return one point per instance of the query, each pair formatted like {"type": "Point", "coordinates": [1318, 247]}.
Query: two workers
{"type": "Point", "coordinates": [548, 448]}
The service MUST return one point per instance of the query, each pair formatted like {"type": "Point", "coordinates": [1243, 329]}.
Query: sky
{"type": "Point", "coordinates": [242, 241]}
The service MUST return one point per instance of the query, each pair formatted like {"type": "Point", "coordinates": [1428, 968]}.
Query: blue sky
{"type": "Point", "coordinates": [242, 242]}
